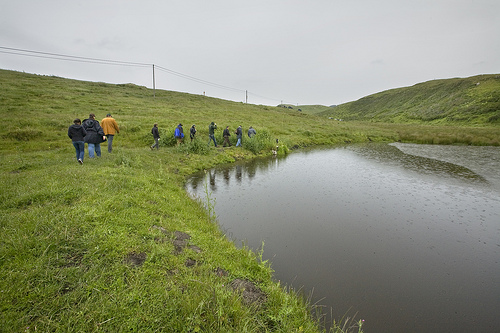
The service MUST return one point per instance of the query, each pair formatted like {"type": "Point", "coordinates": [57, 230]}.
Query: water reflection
{"type": "Point", "coordinates": [392, 155]}
{"type": "Point", "coordinates": [409, 241]}
{"type": "Point", "coordinates": [237, 172]}
{"type": "Point", "coordinates": [484, 159]}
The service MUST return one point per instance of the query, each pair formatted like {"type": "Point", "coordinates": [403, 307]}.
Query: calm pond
{"type": "Point", "coordinates": [404, 236]}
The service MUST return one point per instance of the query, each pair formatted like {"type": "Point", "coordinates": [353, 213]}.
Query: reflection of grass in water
{"type": "Point", "coordinates": [392, 155]}
{"type": "Point", "coordinates": [209, 202]}
{"type": "Point", "coordinates": [439, 168]}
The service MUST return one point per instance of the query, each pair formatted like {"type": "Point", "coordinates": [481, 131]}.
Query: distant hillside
{"type": "Point", "coordinates": [314, 109]}
{"type": "Point", "coordinates": [473, 100]}
{"type": "Point", "coordinates": [309, 109]}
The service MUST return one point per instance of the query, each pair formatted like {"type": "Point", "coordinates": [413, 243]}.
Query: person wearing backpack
{"type": "Point", "coordinates": [95, 135]}
{"type": "Point", "coordinates": [179, 134]}
{"type": "Point", "coordinates": [226, 135]}
{"type": "Point", "coordinates": [192, 132]}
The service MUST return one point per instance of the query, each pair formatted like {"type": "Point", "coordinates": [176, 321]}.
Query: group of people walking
{"type": "Point", "coordinates": [179, 134]}
{"type": "Point", "coordinates": [226, 133]}
{"type": "Point", "coordinates": [93, 134]}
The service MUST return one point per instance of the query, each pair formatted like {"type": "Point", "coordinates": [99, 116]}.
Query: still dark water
{"type": "Point", "coordinates": [406, 236]}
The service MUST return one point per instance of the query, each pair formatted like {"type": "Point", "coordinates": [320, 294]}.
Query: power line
{"type": "Point", "coordinates": [198, 80]}
{"type": "Point", "coordinates": [69, 57]}
{"type": "Point", "coordinates": [75, 60]}
{"type": "Point", "coordinates": [56, 56]}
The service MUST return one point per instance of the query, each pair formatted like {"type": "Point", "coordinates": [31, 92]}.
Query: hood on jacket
{"type": "Point", "coordinates": [89, 123]}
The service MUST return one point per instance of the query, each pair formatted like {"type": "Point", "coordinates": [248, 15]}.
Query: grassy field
{"type": "Point", "coordinates": [116, 244]}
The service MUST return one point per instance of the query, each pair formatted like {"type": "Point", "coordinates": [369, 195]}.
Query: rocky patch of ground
{"type": "Point", "coordinates": [250, 293]}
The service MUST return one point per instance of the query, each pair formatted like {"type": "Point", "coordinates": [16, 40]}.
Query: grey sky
{"type": "Point", "coordinates": [299, 52]}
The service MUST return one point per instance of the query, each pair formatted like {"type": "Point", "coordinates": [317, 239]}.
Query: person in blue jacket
{"type": "Point", "coordinates": [238, 133]}
{"type": "Point", "coordinates": [179, 134]}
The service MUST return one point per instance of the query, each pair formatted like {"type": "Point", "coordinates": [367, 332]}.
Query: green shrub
{"type": "Point", "coordinates": [23, 134]}
{"type": "Point", "coordinates": [167, 138]}
{"type": "Point", "coordinates": [197, 146]}
{"type": "Point", "coordinates": [261, 141]}
{"type": "Point", "coordinates": [282, 149]}
{"type": "Point", "coordinates": [494, 119]}
{"type": "Point", "coordinates": [132, 129]}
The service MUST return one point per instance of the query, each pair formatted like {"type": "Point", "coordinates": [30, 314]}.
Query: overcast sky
{"type": "Point", "coordinates": [298, 52]}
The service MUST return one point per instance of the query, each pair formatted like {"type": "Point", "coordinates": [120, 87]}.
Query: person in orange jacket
{"type": "Point", "coordinates": [110, 127]}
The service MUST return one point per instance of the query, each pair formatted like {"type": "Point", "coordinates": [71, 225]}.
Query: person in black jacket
{"type": "Point", "coordinates": [211, 130]}
{"type": "Point", "coordinates": [156, 136]}
{"type": "Point", "coordinates": [77, 133]}
{"type": "Point", "coordinates": [95, 135]}
{"type": "Point", "coordinates": [226, 136]}
{"type": "Point", "coordinates": [192, 132]}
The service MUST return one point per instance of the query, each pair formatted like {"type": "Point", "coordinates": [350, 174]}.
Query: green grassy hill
{"type": "Point", "coordinates": [473, 100]}
{"type": "Point", "coordinates": [314, 109]}
{"type": "Point", "coordinates": [116, 244]}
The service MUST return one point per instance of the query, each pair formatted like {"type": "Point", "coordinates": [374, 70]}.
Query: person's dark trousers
{"type": "Point", "coordinates": [110, 142]}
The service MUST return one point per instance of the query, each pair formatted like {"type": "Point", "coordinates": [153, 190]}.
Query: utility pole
{"type": "Point", "coordinates": [246, 96]}
{"type": "Point", "coordinates": [154, 85]}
